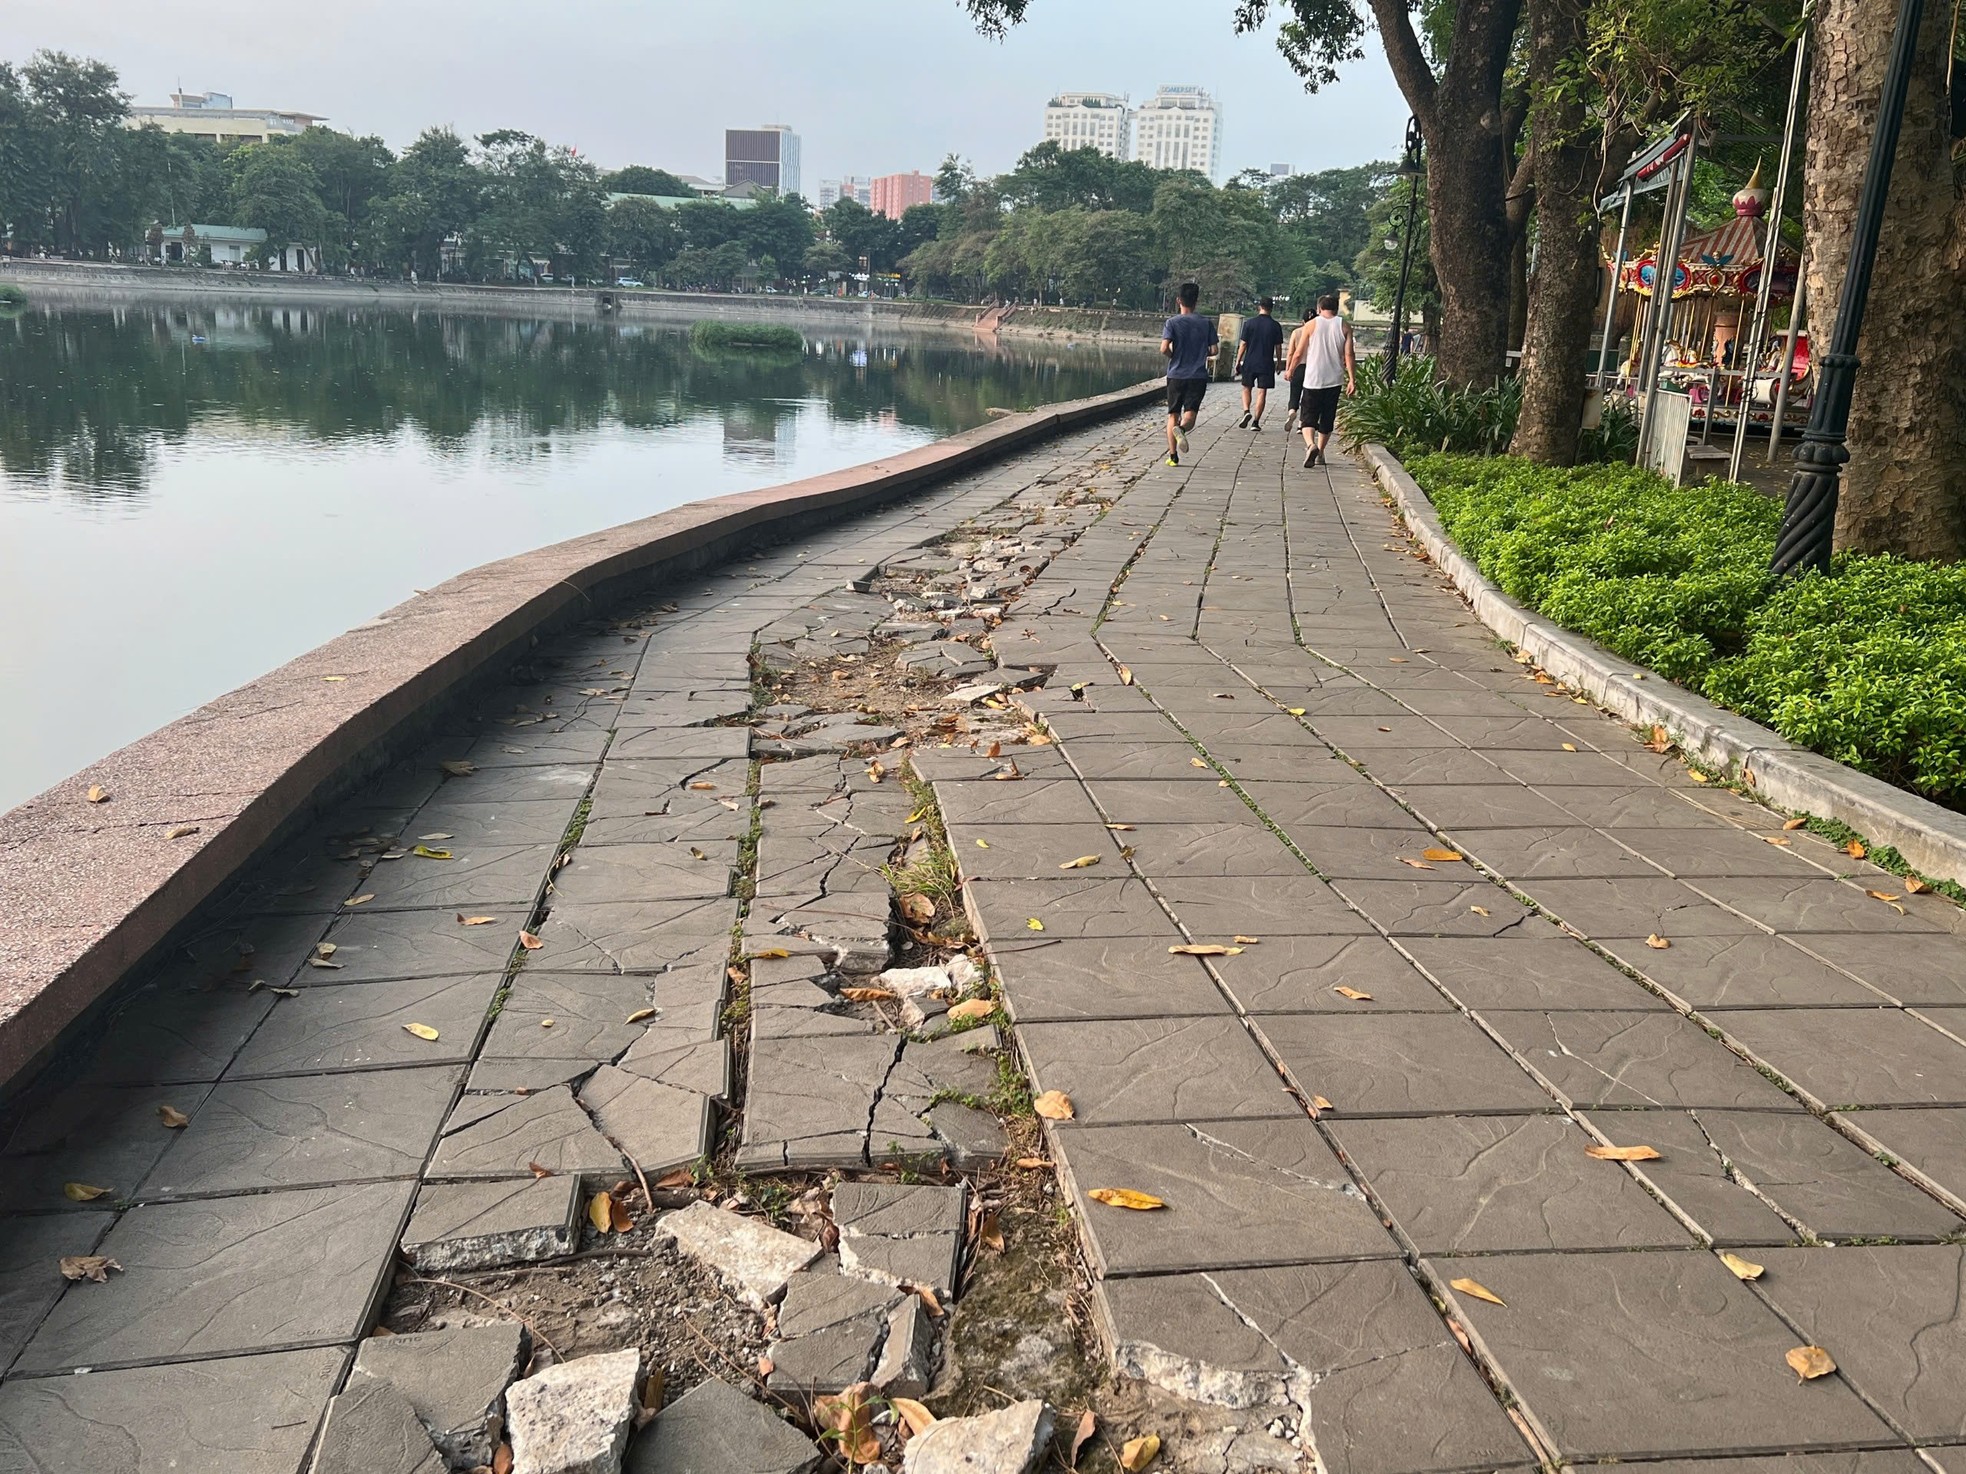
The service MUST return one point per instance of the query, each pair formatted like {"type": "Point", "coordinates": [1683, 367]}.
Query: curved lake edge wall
{"type": "Point", "coordinates": [75, 283]}
{"type": "Point", "coordinates": [96, 889]}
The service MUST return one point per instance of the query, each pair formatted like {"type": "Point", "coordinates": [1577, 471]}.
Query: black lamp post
{"type": "Point", "coordinates": [1412, 169]}
{"type": "Point", "coordinates": [1809, 519]}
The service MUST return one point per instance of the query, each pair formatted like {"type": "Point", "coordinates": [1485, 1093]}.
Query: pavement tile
{"type": "Point", "coordinates": [263, 1272]}
{"type": "Point", "coordinates": [1101, 978]}
{"type": "Point", "coordinates": [310, 1131]}
{"type": "Point", "coordinates": [1846, 1056]}
{"type": "Point", "coordinates": [1872, 1461]}
{"type": "Point", "coordinates": [484, 875]}
{"type": "Point", "coordinates": [1637, 908]}
{"type": "Point", "coordinates": [31, 1245]}
{"type": "Point", "coordinates": [659, 1126]}
{"type": "Point", "coordinates": [1061, 800]}
{"type": "Point", "coordinates": [1234, 847]}
{"type": "Point", "coordinates": [477, 1225]}
{"type": "Point", "coordinates": [1361, 1335]}
{"type": "Point", "coordinates": [1299, 762]}
{"type": "Point", "coordinates": [1032, 851]}
{"type": "Point", "coordinates": [1892, 1318]}
{"type": "Point", "coordinates": [1526, 972]}
{"type": "Point", "coordinates": [1418, 1064]}
{"type": "Point", "coordinates": [1484, 1184]}
{"type": "Point", "coordinates": [167, 1035]}
{"type": "Point", "coordinates": [1239, 1193]}
{"type": "Point", "coordinates": [491, 1136]}
{"type": "Point", "coordinates": [465, 825]}
{"type": "Point", "coordinates": [663, 743]}
{"type": "Point", "coordinates": [1754, 971]}
{"type": "Point", "coordinates": [568, 1016]}
{"type": "Point", "coordinates": [1584, 768]}
{"type": "Point", "coordinates": [1457, 806]}
{"type": "Point", "coordinates": [1458, 766]}
{"type": "Point", "coordinates": [1302, 975]}
{"type": "Point", "coordinates": [1357, 804]}
{"type": "Point", "coordinates": [537, 746]}
{"type": "Point", "coordinates": [1132, 801]}
{"type": "Point", "coordinates": [1814, 904]}
{"type": "Point", "coordinates": [1404, 733]}
{"type": "Point", "coordinates": [1217, 908]}
{"type": "Point", "coordinates": [1433, 908]}
{"type": "Point", "coordinates": [1932, 1141]}
{"type": "Point", "coordinates": [1633, 1058]}
{"type": "Point", "coordinates": [107, 1136]}
{"type": "Point", "coordinates": [364, 1026]}
{"type": "Point", "coordinates": [1916, 970]}
{"type": "Point", "coordinates": [1563, 852]}
{"type": "Point", "coordinates": [1391, 854]}
{"type": "Point", "coordinates": [633, 936]}
{"type": "Point", "coordinates": [237, 1415]}
{"type": "Point", "coordinates": [1105, 760]}
{"type": "Point", "coordinates": [504, 784]}
{"type": "Point", "coordinates": [1638, 806]}
{"type": "Point", "coordinates": [1620, 1355]}
{"type": "Point", "coordinates": [1709, 850]}
{"type": "Point", "coordinates": [1145, 1070]}
{"type": "Point", "coordinates": [646, 872]}
{"type": "Point", "coordinates": [809, 1100]}
{"type": "Point", "coordinates": [239, 949]}
{"type": "Point", "coordinates": [939, 765]}
{"type": "Point", "coordinates": [373, 946]}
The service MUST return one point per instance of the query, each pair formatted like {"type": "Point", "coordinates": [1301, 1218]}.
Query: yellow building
{"type": "Point", "coordinates": [212, 115]}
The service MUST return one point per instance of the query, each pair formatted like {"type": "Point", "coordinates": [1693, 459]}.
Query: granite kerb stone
{"type": "Point", "coordinates": [1931, 839]}
{"type": "Point", "coordinates": [95, 900]}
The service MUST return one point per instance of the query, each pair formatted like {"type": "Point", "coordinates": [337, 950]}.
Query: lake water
{"type": "Point", "coordinates": [190, 496]}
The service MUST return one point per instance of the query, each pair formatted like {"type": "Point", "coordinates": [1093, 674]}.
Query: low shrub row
{"type": "Point", "coordinates": [1418, 415]}
{"type": "Point", "coordinates": [1866, 665]}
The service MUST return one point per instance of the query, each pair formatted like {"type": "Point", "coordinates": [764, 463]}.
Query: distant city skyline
{"type": "Point", "coordinates": [661, 90]}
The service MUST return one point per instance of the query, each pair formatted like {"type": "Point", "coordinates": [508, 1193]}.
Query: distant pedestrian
{"type": "Point", "coordinates": [1325, 350]}
{"type": "Point", "coordinates": [1256, 363]}
{"type": "Point", "coordinates": [1188, 343]}
{"type": "Point", "coordinates": [1292, 356]}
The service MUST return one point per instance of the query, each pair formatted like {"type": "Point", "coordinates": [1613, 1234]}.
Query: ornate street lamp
{"type": "Point", "coordinates": [1410, 169]}
{"type": "Point", "coordinates": [1809, 519]}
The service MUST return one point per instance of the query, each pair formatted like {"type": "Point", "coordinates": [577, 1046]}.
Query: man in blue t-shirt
{"type": "Point", "coordinates": [1188, 341]}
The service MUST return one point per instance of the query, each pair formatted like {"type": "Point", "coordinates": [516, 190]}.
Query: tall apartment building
{"type": "Point", "coordinates": [767, 157]}
{"type": "Point", "coordinates": [895, 194]}
{"type": "Point", "coordinates": [1179, 128]}
{"type": "Point", "coordinates": [1088, 120]}
{"type": "Point", "coordinates": [856, 187]}
{"type": "Point", "coordinates": [212, 115]}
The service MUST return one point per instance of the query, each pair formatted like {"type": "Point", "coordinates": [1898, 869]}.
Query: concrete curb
{"type": "Point", "coordinates": [1931, 839]}
{"type": "Point", "coordinates": [91, 890]}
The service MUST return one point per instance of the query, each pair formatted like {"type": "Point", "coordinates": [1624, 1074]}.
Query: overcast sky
{"type": "Point", "coordinates": [870, 88]}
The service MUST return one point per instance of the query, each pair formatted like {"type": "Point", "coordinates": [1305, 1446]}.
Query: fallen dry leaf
{"type": "Point", "coordinates": [424, 852]}
{"type": "Point", "coordinates": [1800, 821]}
{"type": "Point", "coordinates": [82, 1192]}
{"type": "Point", "coordinates": [530, 942]}
{"type": "Point", "coordinates": [1088, 1425]}
{"type": "Point", "coordinates": [1033, 1164]}
{"type": "Point", "coordinates": [464, 920]}
{"type": "Point", "coordinates": [1697, 776]}
{"type": "Point", "coordinates": [600, 1211]}
{"type": "Point", "coordinates": [422, 1031]}
{"type": "Point", "coordinates": [769, 952]}
{"type": "Point", "coordinates": [1204, 949]}
{"type": "Point", "coordinates": [1855, 849]}
{"type": "Point", "coordinates": [1916, 886]}
{"type": "Point", "coordinates": [547, 1023]}
{"type": "Point", "coordinates": [1125, 1197]}
{"type": "Point", "coordinates": [1033, 924]}
{"type": "Point", "coordinates": [1621, 1153]}
{"type": "Point", "coordinates": [869, 995]}
{"type": "Point", "coordinates": [1296, 711]}
{"type": "Point", "coordinates": [1810, 1362]}
{"type": "Point", "coordinates": [1481, 910]}
{"type": "Point", "coordinates": [502, 1459]}
{"type": "Point", "coordinates": [1352, 993]}
{"type": "Point", "coordinates": [361, 900]}
{"type": "Point", "coordinates": [539, 1170]}
{"type": "Point", "coordinates": [1415, 864]}
{"type": "Point", "coordinates": [181, 831]}
{"type": "Point", "coordinates": [172, 1117]}
{"type": "Point", "coordinates": [1742, 1269]}
{"type": "Point", "coordinates": [848, 1421]}
{"type": "Point", "coordinates": [639, 1014]}
{"type": "Point", "coordinates": [1195, 762]}
{"type": "Point", "coordinates": [913, 1415]}
{"type": "Point", "coordinates": [982, 844]}
{"type": "Point", "coordinates": [917, 908]}
{"type": "Point", "coordinates": [1441, 855]}
{"type": "Point", "coordinates": [94, 1267]}
{"type": "Point", "coordinates": [974, 1008]}
{"type": "Point", "coordinates": [1478, 1290]}
{"type": "Point", "coordinates": [1139, 1452]}
{"type": "Point", "coordinates": [1657, 943]}
{"type": "Point", "coordinates": [1123, 828]}
{"type": "Point", "coordinates": [1126, 676]}
{"type": "Point", "coordinates": [1054, 1105]}
{"type": "Point", "coordinates": [1319, 1103]}
{"type": "Point", "coordinates": [97, 794]}
{"type": "Point", "coordinates": [1080, 863]}
{"type": "Point", "coordinates": [1569, 747]}
{"type": "Point", "coordinates": [458, 768]}
{"type": "Point", "coordinates": [703, 787]}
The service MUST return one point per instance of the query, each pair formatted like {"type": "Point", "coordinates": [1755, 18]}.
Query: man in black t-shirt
{"type": "Point", "coordinates": [1256, 363]}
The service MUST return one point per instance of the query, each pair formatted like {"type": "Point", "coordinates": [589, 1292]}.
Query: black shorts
{"type": "Point", "coordinates": [1320, 409]}
{"type": "Point", "coordinates": [1264, 378]}
{"type": "Point", "coordinates": [1297, 386]}
{"type": "Point", "coordinates": [1184, 395]}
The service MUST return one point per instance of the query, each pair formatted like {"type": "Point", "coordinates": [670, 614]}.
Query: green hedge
{"type": "Point", "coordinates": [761, 337]}
{"type": "Point", "coordinates": [1866, 665]}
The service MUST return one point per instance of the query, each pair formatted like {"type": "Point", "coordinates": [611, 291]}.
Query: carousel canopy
{"type": "Point", "coordinates": [1723, 262]}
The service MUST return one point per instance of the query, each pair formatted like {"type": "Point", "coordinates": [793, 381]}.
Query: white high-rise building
{"type": "Point", "coordinates": [1179, 128]}
{"type": "Point", "coordinates": [1088, 120]}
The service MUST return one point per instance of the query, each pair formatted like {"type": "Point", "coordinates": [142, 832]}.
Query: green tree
{"type": "Point", "coordinates": [351, 174]}
{"type": "Point", "coordinates": [641, 179]}
{"type": "Point", "coordinates": [72, 140]}
{"type": "Point", "coordinates": [643, 234]}
{"type": "Point", "coordinates": [862, 233]}
{"type": "Point", "coordinates": [1051, 177]}
{"type": "Point", "coordinates": [776, 229]}
{"type": "Point", "coordinates": [541, 202]}
{"type": "Point", "coordinates": [432, 193]}
{"type": "Point", "coordinates": [275, 190]}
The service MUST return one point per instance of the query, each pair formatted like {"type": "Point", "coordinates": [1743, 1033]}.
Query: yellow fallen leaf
{"type": "Point", "coordinates": [1247, 941]}
{"type": "Point", "coordinates": [172, 1117]}
{"type": "Point", "coordinates": [1195, 762]}
{"type": "Point", "coordinates": [1810, 1362]}
{"type": "Point", "coordinates": [916, 817]}
{"type": "Point", "coordinates": [1916, 886]}
{"type": "Point", "coordinates": [639, 1014]}
{"type": "Point", "coordinates": [88, 1267]}
{"type": "Point", "coordinates": [769, 952]}
{"type": "Point", "coordinates": [1742, 1269]}
{"type": "Point", "coordinates": [917, 908]}
{"type": "Point", "coordinates": [1080, 863]}
{"type": "Point", "coordinates": [1800, 821]}
{"type": "Point", "coordinates": [1204, 949]}
{"type": "Point", "coordinates": [1855, 849]}
{"type": "Point", "coordinates": [424, 852]}
{"type": "Point", "coordinates": [1415, 864]}
{"type": "Point", "coordinates": [1126, 1197]}
{"type": "Point", "coordinates": [530, 942]}
{"type": "Point", "coordinates": [917, 1418]}
{"type": "Point", "coordinates": [1033, 924]}
{"type": "Point", "coordinates": [1352, 993]}
{"type": "Point", "coordinates": [1123, 828]}
{"type": "Point", "coordinates": [1139, 1452]}
{"type": "Point", "coordinates": [334, 678]}
{"type": "Point", "coordinates": [82, 1192]}
{"type": "Point", "coordinates": [1440, 855]}
{"type": "Point", "coordinates": [1697, 776]}
{"type": "Point", "coordinates": [1657, 943]}
{"type": "Point", "coordinates": [982, 844]}
{"type": "Point", "coordinates": [181, 831]}
{"type": "Point", "coordinates": [1296, 711]}
{"type": "Point", "coordinates": [97, 794]}
{"type": "Point", "coordinates": [547, 1023]}
{"type": "Point", "coordinates": [1569, 747]}
{"type": "Point", "coordinates": [361, 900]}
{"type": "Point", "coordinates": [975, 1008]}
{"type": "Point", "coordinates": [600, 1211]}
{"type": "Point", "coordinates": [1318, 1102]}
{"type": "Point", "coordinates": [1033, 1164]}
{"type": "Point", "coordinates": [476, 920]}
{"type": "Point", "coordinates": [869, 995]}
{"type": "Point", "coordinates": [1478, 1290]}
{"type": "Point", "coordinates": [1126, 676]}
{"type": "Point", "coordinates": [1480, 910]}
{"type": "Point", "coordinates": [1054, 1105]}
{"type": "Point", "coordinates": [422, 1031]}
{"type": "Point", "coordinates": [1621, 1153]}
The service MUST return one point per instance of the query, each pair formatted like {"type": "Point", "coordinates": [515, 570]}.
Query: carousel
{"type": "Point", "coordinates": [1716, 281]}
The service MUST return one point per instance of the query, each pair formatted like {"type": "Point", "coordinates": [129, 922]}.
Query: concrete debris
{"type": "Point", "coordinates": [907, 1359]}
{"type": "Point", "coordinates": [455, 1378]}
{"type": "Point", "coordinates": [754, 1258]}
{"type": "Point", "coordinates": [575, 1417]}
{"type": "Point", "coordinates": [1006, 1442]}
{"type": "Point", "coordinates": [715, 1429]}
{"type": "Point", "coordinates": [478, 1225]}
{"type": "Point", "coordinates": [372, 1429]}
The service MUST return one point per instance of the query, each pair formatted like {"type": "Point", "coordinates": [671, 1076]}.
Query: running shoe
{"type": "Point", "coordinates": [1174, 460]}
{"type": "Point", "coordinates": [1180, 440]}
{"type": "Point", "coordinates": [1310, 458]}
{"type": "Point", "coordinates": [1244, 423]}
{"type": "Point", "coordinates": [1256, 428]}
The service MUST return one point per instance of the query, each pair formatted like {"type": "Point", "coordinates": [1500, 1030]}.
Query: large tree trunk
{"type": "Point", "coordinates": [1468, 164]}
{"type": "Point", "coordinates": [1904, 490]}
{"type": "Point", "coordinates": [1563, 294]}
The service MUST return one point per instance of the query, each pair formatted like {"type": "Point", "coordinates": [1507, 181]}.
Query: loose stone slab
{"type": "Point", "coordinates": [1029, 851]}
{"type": "Point", "coordinates": [907, 1360]}
{"type": "Point", "coordinates": [251, 1273]}
{"type": "Point", "coordinates": [362, 1027]}
{"type": "Point", "coordinates": [228, 1416]}
{"type": "Point", "coordinates": [1635, 1059]}
{"type": "Point", "coordinates": [1156, 1070]}
{"type": "Point", "coordinates": [476, 1225]}
{"type": "Point", "coordinates": [1238, 1193]}
{"type": "Point", "coordinates": [754, 1258]}
{"type": "Point", "coordinates": [105, 1136]}
{"type": "Point", "coordinates": [658, 1126]}
{"type": "Point", "coordinates": [1008, 1441]}
{"type": "Point", "coordinates": [482, 874]}
{"type": "Point", "coordinates": [901, 1234]}
{"type": "Point", "coordinates": [454, 1379]}
{"type": "Point", "coordinates": [830, 1328]}
{"type": "Point", "coordinates": [1481, 1183]}
{"type": "Point", "coordinates": [715, 1429]}
{"type": "Point", "coordinates": [1617, 1355]}
{"type": "Point", "coordinates": [372, 1429]}
{"type": "Point", "coordinates": [1420, 1064]}
{"type": "Point", "coordinates": [633, 936]}
{"type": "Point", "coordinates": [307, 1131]}
{"type": "Point", "coordinates": [1810, 902]}
{"type": "Point", "coordinates": [1639, 908]}
{"type": "Point", "coordinates": [809, 1099]}
{"type": "Point", "coordinates": [574, 1417]}
{"type": "Point", "coordinates": [1228, 847]}
{"type": "Point", "coordinates": [501, 1136]}
{"type": "Point", "coordinates": [567, 1016]}
{"type": "Point", "coordinates": [1893, 1319]}
{"type": "Point", "coordinates": [639, 872]}
{"type": "Point", "coordinates": [1353, 1349]}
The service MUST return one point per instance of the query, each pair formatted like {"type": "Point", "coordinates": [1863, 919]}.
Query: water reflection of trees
{"type": "Point", "coordinates": [88, 396]}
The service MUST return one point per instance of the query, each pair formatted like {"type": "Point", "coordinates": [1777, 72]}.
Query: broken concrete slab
{"type": "Point", "coordinates": [574, 1417]}
{"type": "Point", "coordinates": [752, 1257]}
{"type": "Point", "coordinates": [658, 1126]}
{"type": "Point", "coordinates": [830, 1329]}
{"type": "Point", "coordinates": [372, 1429]}
{"type": "Point", "coordinates": [900, 1234]}
{"type": "Point", "coordinates": [454, 1378]}
{"type": "Point", "coordinates": [715, 1429]}
{"type": "Point", "coordinates": [1009, 1441]}
{"type": "Point", "coordinates": [503, 1136]}
{"type": "Point", "coordinates": [972, 1138]}
{"type": "Point", "coordinates": [907, 1360]}
{"type": "Point", "coordinates": [477, 1225]}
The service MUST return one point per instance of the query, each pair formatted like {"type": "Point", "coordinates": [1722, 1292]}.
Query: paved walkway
{"type": "Point", "coordinates": [1392, 1090]}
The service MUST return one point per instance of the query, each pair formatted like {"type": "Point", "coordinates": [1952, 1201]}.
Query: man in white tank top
{"type": "Point", "coordinates": [1324, 348]}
